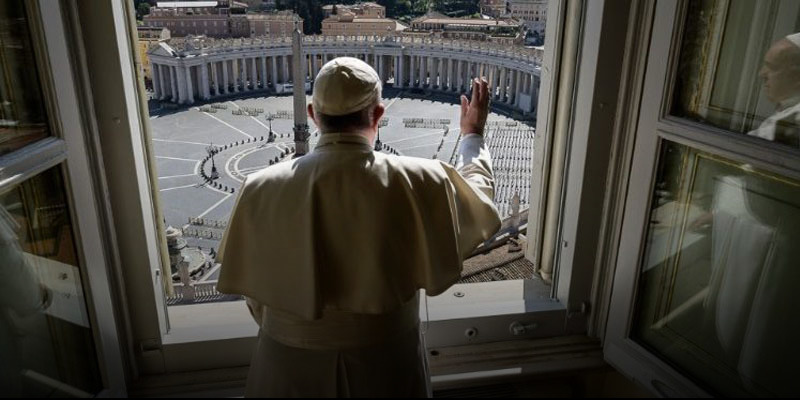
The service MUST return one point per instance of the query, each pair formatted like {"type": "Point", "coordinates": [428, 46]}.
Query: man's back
{"type": "Point", "coordinates": [357, 230]}
{"type": "Point", "coordinates": [330, 250]}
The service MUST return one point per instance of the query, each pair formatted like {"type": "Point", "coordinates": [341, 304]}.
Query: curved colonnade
{"type": "Point", "coordinates": [199, 68]}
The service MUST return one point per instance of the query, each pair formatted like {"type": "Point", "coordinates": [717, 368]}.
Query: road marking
{"type": "Point", "coordinates": [422, 145]}
{"type": "Point", "coordinates": [394, 99]}
{"type": "Point", "coordinates": [227, 124]}
{"type": "Point", "coordinates": [414, 137]}
{"type": "Point", "coordinates": [177, 158]}
{"type": "Point", "coordinates": [180, 141]}
{"type": "Point", "coordinates": [178, 187]}
{"type": "Point", "coordinates": [244, 171]}
{"type": "Point", "coordinates": [203, 214]}
{"type": "Point", "coordinates": [176, 176]}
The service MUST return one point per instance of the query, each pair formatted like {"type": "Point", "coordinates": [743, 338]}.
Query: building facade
{"type": "Point", "coordinates": [493, 8]}
{"type": "Point", "coordinates": [366, 10]}
{"type": "Point", "coordinates": [503, 31]}
{"type": "Point", "coordinates": [218, 19]}
{"type": "Point", "coordinates": [532, 13]}
{"type": "Point", "coordinates": [346, 23]}
{"type": "Point", "coordinates": [148, 36]}
{"type": "Point", "coordinates": [201, 69]}
{"type": "Point", "coordinates": [271, 24]}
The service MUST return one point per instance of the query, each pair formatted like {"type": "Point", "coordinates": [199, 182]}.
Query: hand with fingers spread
{"type": "Point", "coordinates": [475, 111]}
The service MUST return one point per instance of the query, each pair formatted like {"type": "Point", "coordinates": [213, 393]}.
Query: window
{"type": "Point", "coordinates": [707, 268]}
{"type": "Point", "coordinates": [170, 337]}
{"type": "Point", "coordinates": [52, 263]}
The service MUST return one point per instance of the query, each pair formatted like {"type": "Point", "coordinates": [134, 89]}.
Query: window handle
{"type": "Point", "coordinates": [518, 328]}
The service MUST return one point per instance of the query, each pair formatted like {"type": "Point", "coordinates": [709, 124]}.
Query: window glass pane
{"type": "Point", "coordinates": [46, 340]}
{"type": "Point", "coordinates": [720, 273]}
{"type": "Point", "coordinates": [739, 68]}
{"type": "Point", "coordinates": [22, 114]}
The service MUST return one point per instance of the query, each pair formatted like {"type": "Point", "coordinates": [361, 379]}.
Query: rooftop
{"type": "Point", "coordinates": [185, 4]}
{"type": "Point", "coordinates": [468, 21]}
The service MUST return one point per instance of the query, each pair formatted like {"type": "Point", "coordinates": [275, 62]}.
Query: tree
{"type": "Point", "coordinates": [309, 10]}
{"type": "Point", "coordinates": [142, 9]}
{"type": "Point", "coordinates": [455, 8]}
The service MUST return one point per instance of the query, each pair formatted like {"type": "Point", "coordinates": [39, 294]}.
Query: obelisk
{"type": "Point", "coordinates": [299, 82]}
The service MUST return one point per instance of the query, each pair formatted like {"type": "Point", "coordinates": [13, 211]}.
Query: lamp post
{"type": "Point", "coordinates": [378, 143]}
{"type": "Point", "coordinates": [271, 135]}
{"type": "Point", "coordinates": [211, 150]}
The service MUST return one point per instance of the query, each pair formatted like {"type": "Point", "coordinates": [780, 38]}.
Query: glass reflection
{"type": "Point", "coordinates": [781, 75]}
{"type": "Point", "coordinates": [22, 115]}
{"type": "Point", "coordinates": [739, 68]}
{"type": "Point", "coordinates": [720, 274]}
{"type": "Point", "coordinates": [46, 341]}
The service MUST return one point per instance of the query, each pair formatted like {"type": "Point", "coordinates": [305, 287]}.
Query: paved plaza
{"type": "Point", "coordinates": [238, 131]}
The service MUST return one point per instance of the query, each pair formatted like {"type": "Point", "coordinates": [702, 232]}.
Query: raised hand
{"type": "Point", "coordinates": [474, 112]}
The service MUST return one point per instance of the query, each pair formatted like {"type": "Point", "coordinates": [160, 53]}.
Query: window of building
{"type": "Point", "coordinates": [714, 212]}
{"type": "Point", "coordinates": [51, 259]}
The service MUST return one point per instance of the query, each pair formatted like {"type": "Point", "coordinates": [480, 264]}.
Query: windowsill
{"type": "Point", "coordinates": [209, 321]}
{"type": "Point", "coordinates": [486, 299]}
{"type": "Point", "coordinates": [232, 320]}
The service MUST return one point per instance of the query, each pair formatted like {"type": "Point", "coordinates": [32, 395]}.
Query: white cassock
{"type": "Point", "coordinates": [331, 250]}
{"type": "Point", "coordinates": [783, 126]}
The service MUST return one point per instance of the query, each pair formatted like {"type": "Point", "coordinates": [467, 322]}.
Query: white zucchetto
{"type": "Point", "coordinates": [345, 85]}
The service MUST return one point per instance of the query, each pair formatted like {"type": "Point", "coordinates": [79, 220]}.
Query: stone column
{"type": "Point", "coordinates": [411, 74]}
{"type": "Point", "coordinates": [225, 76]}
{"type": "Point", "coordinates": [471, 73]}
{"type": "Point", "coordinates": [244, 69]}
{"type": "Point", "coordinates": [243, 73]}
{"type": "Point", "coordinates": [432, 81]}
{"type": "Point", "coordinates": [512, 86]}
{"type": "Point", "coordinates": [253, 74]}
{"type": "Point", "coordinates": [163, 76]}
{"type": "Point", "coordinates": [314, 66]}
{"type": "Point", "coordinates": [156, 81]}
{"type": "Point", "coordinates": [495, 82]}
{"type": "Point", "coordinates": [189, 85]}
{"type": "Point", "coordinates": [285, 64]}
{"type": "Point", "coordinates": [204, 84]}
{"type": "Point", "coordinates": [450, 74]}
{"type": "Point", "coordinates": [173, 75]}
{"type": "Point", "coordinates": [235, 73]}
{"type": "Point", "coordinates": [214, 78]}
{"type": "Point", "coordinates": [274, 60]}
{"type": "Point", "coordinates": [503, 82]}
{"type": "Point", "coordinates": [518, 89]}
{"type": "Point", "coordinates": [440, 72]}
{"type": "Point", "coordinates": [398, 72]}
{"type": "Point", "coordinates": [423, 71]}
{"type": "Point", "coordinates": [460, 76]}
{"type": "Point", "coordinates": [263, 62]}
{"type": "Point", "coordinates": [180, 72]}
